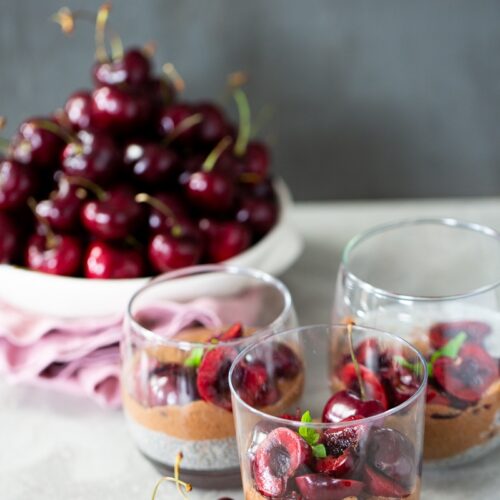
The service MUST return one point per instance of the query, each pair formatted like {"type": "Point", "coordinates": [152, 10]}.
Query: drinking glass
{"type": "Point", "coordinates": [436, 282]}
{"type": "Point", "coordinates": [322, 438]}
{"type": "Point", "coordinates": [182, 331]}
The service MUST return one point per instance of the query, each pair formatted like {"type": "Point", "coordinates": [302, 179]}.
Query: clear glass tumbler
{"type": "Point", "coordinates": [436, 282]}
{"type": "Point", "coordinates": [348, 416]}
{"type": "Point", "coordinates": [182, 331]}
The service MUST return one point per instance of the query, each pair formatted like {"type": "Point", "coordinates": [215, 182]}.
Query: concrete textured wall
{"type": "Point", "coordinates": [386, 98]}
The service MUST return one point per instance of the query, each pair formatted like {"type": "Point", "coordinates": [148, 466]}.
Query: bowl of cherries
{"type": "Point", "coordinates": [129, 180]}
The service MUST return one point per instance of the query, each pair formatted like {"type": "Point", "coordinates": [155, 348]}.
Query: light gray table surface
{"type": "Point", "coordinates": [54, 447]}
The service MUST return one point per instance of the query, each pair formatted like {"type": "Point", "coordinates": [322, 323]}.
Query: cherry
{"type": "Point", "coordinates": [78, 109]}
{"type": "Point", "coordinates": [212, 381]}
{"type": "Point", "coordinates": [282, 358]}
{"type": "Point", "coordinates": [58, 254]}
{"type": "Point", "coordinates": [469, 375]}
{"type": "Point", "coordinates": [36, 145]}
{"type": "Point", "coordinates": [116, 216]}
{"type": "Point", "coordinates": [262, 190]}
{"type": "Point", "coordinates": [255, 385]}
{"type": "Point", "coordinates": [436, 397]}
{"type": "Point", "coordinates": [167, 252]}
{"type": "Point", "coordinates": [161, 91]}
{"type": "Point", "coordinates": [233, 332]}
{"type": "Point", "coordinates": [373, 387]}
{"type": "Point", "coordinates": [256, 161]}
{"type": "Point", "coordinates": [213, 126]}
{"type": "Point", "coordinates": [94, 156]}
{"type": "Point", "coordinates": [119, 111]}
{"type": "Point", "coordinates": [260, 214]}
{"type": "Point", "coordinates": [441, 333]}
{"type": "Point", "coordinates": [9, 240]}
{"type": "Point", "coordinates": [277, 458]}
{"type": "Point", "coordinates": [345, 404]}
{"type": "Point", "coordinates": [17, 184]}
{"type": "Point", "coordinates": [400, 383]}
{"type": "Point", "coordinates": [324, 487]}
{"type": "Point", "coordinates": [159, 221]}
{"type": "Point", "coordinates": [225, 239]}
{"type": "Point", "coordinates": [62, 210]}
{"type": "Point", "coordinates": [391, 466]}
{"type": "Point", "coordinates": [106, 261]}
{"type": "Point", "coordinates": [133, 69]}
{"type": "Point", "coordinates": [151, 163]}
{"type": "Point", "coordinates": [368, 354]}
{"type": "Point", "coordinates": [213, 191]}
{"type": "Point", "coordinates": [339, 440]}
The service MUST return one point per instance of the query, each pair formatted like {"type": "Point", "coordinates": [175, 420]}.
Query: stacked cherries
{"type": "Point", "coordinates": [128, 180]}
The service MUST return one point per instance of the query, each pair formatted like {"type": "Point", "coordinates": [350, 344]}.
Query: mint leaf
{"type": "Point", "coordinates": [452, 348]}
{"type": "Point", "coordinates": [319, 451]}
{"type": "Point", "coordinates": [404, 363]}
{"type": "Point", "coordinates": [309, 434]}
{"type": "Point", "coordinates": [306, 417]}
{"type": "Point", "coordinates": [194, 359]}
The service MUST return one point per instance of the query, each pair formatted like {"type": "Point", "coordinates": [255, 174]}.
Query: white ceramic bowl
{"type": "Point", "coordinates": [79, 297]}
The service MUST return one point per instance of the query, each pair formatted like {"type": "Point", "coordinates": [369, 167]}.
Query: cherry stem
{"type": "Point", "coordinates": [56, 129]}
{"type": "Point", "coordinates": [101, 53]}
{"type": "Point", "coordinates": [174, 77]}
{"type": "Point", "coordinates": [50, 238]}
{"type": "Point", "coordinates": [244, 122]}
{"type": "Point", "coordinates": [116, 43]}
{"type": "Point", "coordinates": [182, 126]}
{"type": "Point", "coordinates": [162, 208]}
{"type": "Point", "coordinates": [350, 324]}
{"type": "Point", "coordinates": [214, 155]}
{"type": "Point", "coordinates": [99, 192]}
{"type": "Point", "coordinates": [65, 18]}
{"type": "Point", "coordinates": [176, 479]}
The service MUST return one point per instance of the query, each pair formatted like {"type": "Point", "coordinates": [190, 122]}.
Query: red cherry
{"type": "Point", "coordinates": [37, 146]}
{"type": "Point", "coordinates": [213, 126]}
{"type": "Point", "coordinates": [233, 332]}
{"type": "Point", "coordinates": [60, 255]}
{"type": "Point", "coordinates": [257, 159]}
{"type": "Point", "coordinates": [256, 386]}
{"type": "Point", "coordinates": [170, 118]}
{"type": "Point", "coordinates": [105, 261]}
{"type": "Point", "coordinates": [9, 239]}
{"type": "Point", "coordinates": [160, 222]}
{"type": "Point", "coordinates": [78, 109]}
{"type": "Point", "coordinates": [224, 239]}
{"type": "Point", "coordinates": [400, 383]}
{"type": "Point", "coordinates": [212, 191]}
{"type": "Point", "coordinates": [345, 404]}
{"type": "Point", "coordinates": [115, 217]}
{"type": "Point", "coordinates": [263, 189]}
{"type": "Point", "coordinates": [16, 184]}
{"type": "Point", "coordinates": [260, 214]}
{"type": "Point", "coordinates": [441, 333]}
{"type": "Point", "coordinates": [437, 397]}
{"type": "Point", "coordinates": [167, 252]}
{"type": "Point", "coordinates": [373, 387]}
{"type": "Point", "coordinates": [95, 157]}
{"type": "Point", "coordinates": [324, 487]}
{"type": "Point", "coordinates": [469, 375]}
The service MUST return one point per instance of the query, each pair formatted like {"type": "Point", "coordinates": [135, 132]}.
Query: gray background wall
{"type": "Point", "coordinates": [385, 98]}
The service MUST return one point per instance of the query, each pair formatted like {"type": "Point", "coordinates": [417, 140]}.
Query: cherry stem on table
{"type": "Point", "coordinates": [176, 479]}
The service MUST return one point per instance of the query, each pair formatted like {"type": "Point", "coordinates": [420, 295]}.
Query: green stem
{"type": "Point", "coordinates": [56, 129]}
{"type": "Point", "coordinates": [163, 208]}
{"type": "Point", "coordinates": [184, 125]}
{"type": "Point", "coordinates": [87, 184]}
{"type": "Point", "coordinates": [355, 361]}
{"type": "Point", "coordinates": [50, 238]}
{"type": "Point", "coordinates": [214, 155]}
{"type": "Point", "coordinates": [101, 53]}
{"type": "Point", "coordinates": [244, 122]}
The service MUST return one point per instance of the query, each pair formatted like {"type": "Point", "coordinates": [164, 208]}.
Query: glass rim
{"type": "Point", "coordinates": [328, 425]}
{"type": "Point", "coordinates": [449, 222]}
{"type": "Point", "coordinates": [202, 269]}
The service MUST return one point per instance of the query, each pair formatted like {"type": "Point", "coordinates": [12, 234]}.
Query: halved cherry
{"type": "Point", "coordinates": [336, 466]}
{"type": "Point", "coordinates": [373, 387]}
{"type": "Point", "coordinates": [212, 381]}
{"type": "Point", "coordinates": [345, 404]}
{"type": "Point", "coordinates": [400, 383]}
{"type": "Point", "coordinates": [283, 359]}
{"type": "Point", "coordinates": [277, 459]}
{"type": "Point", "coordinates": [437, 397]}
{"type": "Point", "coordinates": [469, 375]}
{"type": "Point", "coordinates": [233, 332]}
{"type": "Point", "coordinates": [255, 385]}
{"type": "Point", "coordinates": [379, 485]}
{"type": "Point", "coordinates": [324, 487]}
{"type": "Point", "coordinates": [441, 333]}
{"type": "Point", "coordinates": [368, 354]}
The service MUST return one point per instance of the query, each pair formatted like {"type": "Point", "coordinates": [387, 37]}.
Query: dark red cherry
{"type": "Point", "coordinates": [368, 354]}
{"type": "Point", "coordinates": [264, 189]}
{"type": "Point", "coordinates": [213, 372]}
{"type": "Point", "coordinates": [391, 456]}
{"type": "Point", "coordinates": [37, 146]}
{"type": "Point", "coordinates": [119, 111]}
{"type": "Point", "coordinates": [161, 91]}
{"type": "Point", "coordinates": [324, 487]}
{"type": "Point", "coordinates": [256, 160]}
{"type": "Point", "coordinates": [17, 184]}
{"type": "Point", "coordinates": [160, 222]}
{"type": "Point", "coordinates": [399, 383]}
{"type": "Point", "coordinates": [114, 217]}
{"type": "Point", "coordinates": [260, 214]}
{"type": "Point", "coordinates": [338, 440]}
{"type": "Point", "coordinates": [167, 252]}
{"type": "Point", "coordinates": [9, 239]}
{"type": "Point", "coordinates": [213, 126]}
{"type": "Point", "coordinates": [345, 404]}
{"type": "Point", "coordinates": [469, 375]}
{"type": "Point", "coordinates": [133, 69]}
{"type": "Point", "coordinates": [256, 386]}
{"type": "Point", "coordinates": [105, 261]}
{"type": "Point", "coordinates": [95, 157]}
{"type": "Point", "coordinates": [441, 333]}
{"type": "Point", "coordinates": [60, 254]}
{"type": "Point", "coordinates": [212, 191]}
{"type": "Point", "coordinates": [62, 210]}
{"type": "Point", "coordinates": [170, 118]}
{"type": "Point", "coordinates": [225, 239]}
{"type": "Point", "coordinates": [277, 459]}
{"type": "Point", "coordinates": [281, 357]}
{"type": "Point", "coordinates": [437, 397]}
{"type": "Point", "coordinates": [372, 384]}
{"type": "Point", "coordinates": [78, 109]}
{"type": "Point", "coordinates": [151, 163]}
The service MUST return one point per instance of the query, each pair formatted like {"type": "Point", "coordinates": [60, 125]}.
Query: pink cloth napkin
{"type": "Point", "coordinates": [82, 356]}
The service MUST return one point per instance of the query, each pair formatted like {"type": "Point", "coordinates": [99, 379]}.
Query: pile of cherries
{"type": "Point", "coordinates": [128, 180]}
{"type": "Point", "coordinates": [460, 381]}
{"type": "Point", "coordinates": [359, 460]}
{"type": "Point", "coordinates": [205, 376]}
